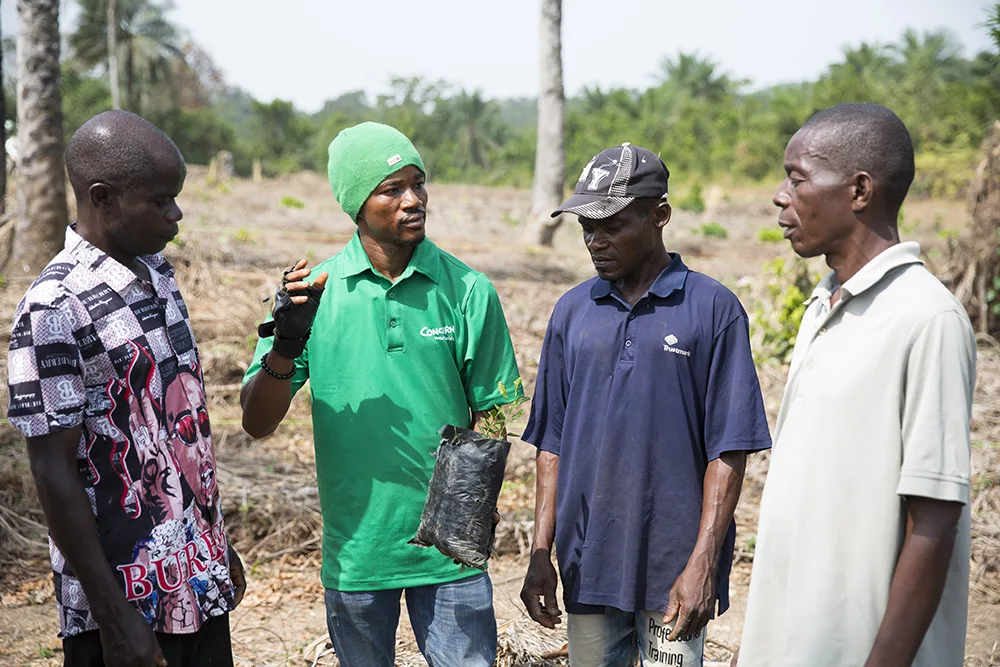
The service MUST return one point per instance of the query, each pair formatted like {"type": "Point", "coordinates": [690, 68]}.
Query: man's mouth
{"type": "Point", "coordinates": [207, 478]}
{"type": "Point", "coordinates": [414, 221]}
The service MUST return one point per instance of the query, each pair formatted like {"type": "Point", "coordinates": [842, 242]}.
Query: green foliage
{"type": "Point", "coordinates": [494, 422]}
{"type": "Point", "coordinates": [245, 236]}
{"type": "Point", "coordinates": [944, 174]}
{"type": "Point", "coordinates": [779, 316]}
{"type": "Point", "coordinates": [82, 98]}
{"type": "Point", "coordinates": [45, 652]}
{"type": "Point", "coordinates": [289, 201]}
{"type": "Point", "coordinates": [771, 235]}
{"type": "Point", "coordinates": [713, 230]}
{"type": "Point", "coordinates": [993, 293]}
{"type": "Point", "coordinates": [993, 26]}
{"type": "Point", "coordinates": [148, 46]}
{"type": "Point", "coordinates": [702, 121]}
{"type": "Point", "coordinates": [200, 134]}
{"type": "Point", "coordinates": [280, 136]}
{"type": "Point", "coordinates": [693, 201]}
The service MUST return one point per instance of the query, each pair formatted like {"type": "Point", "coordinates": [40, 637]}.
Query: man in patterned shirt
{"type": "Point", "coordinates": [106, 385]}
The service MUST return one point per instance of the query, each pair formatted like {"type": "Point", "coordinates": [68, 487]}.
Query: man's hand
{"type": "Point", "coordinates": [295, 306]}
{"type": "Point", "coordinates": [128, 641]}
{"type": "Point", "coordinates": [540, 582]}
{"type": "Point", "coordinates": [692, 598]}
{"type": "Point", "coordinates": [237, 576]}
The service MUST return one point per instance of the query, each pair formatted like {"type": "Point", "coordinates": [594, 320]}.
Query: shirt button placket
{"type": "Point", "coordinates": [394, 329]}
{"type": "Point", "coordinates": [628, 353]}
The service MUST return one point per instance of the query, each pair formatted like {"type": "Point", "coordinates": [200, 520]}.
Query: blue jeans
{"type": "Point", "coordinates": [454, 624]}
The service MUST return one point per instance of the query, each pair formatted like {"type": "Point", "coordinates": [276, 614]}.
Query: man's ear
{"type": "Point", "coordinates": [663, 212]}
{"type": "Point", "coordinates": [862, 191]}
{"type": "Point", "coordinates": [101, 196]}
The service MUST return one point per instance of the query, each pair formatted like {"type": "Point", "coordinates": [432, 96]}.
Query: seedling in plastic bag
{"type": "Point", "coordinates": [494, 423]}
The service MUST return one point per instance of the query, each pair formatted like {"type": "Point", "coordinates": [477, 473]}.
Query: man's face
{"type": "Point", "coordinates": [620, 244]}
{"type": "Point", "coordinates": [148, 214]}
{"type": "Point", "coordinates": [189, 435]}
{"type": "Point", "coordinates": [396, 211]}
{"type": "Point", "coordinates": [815, 199]}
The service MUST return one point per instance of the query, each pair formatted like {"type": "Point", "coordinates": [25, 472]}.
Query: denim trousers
{"type": "Point", "coordinates": [454, 624]}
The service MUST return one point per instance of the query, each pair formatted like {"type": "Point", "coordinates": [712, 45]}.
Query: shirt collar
{"type": "Point", "coordinates": [670, 280]}
{"type": "Point", "coordinates": [425, 260]}
{"type": "Point", "coordinates": [895, 256]}
{"type": "Point", "coordinates": [111, 271]}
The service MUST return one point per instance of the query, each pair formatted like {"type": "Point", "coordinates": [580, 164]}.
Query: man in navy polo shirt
{"type": "Point", "coordinates": [646, 405]}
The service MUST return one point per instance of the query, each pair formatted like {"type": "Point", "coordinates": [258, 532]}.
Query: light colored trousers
{"type": "Point", "coordinates": [618, 638]}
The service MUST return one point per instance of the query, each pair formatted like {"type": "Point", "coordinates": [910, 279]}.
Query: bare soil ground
{"type": "Point", "coordinates": [234, 241]}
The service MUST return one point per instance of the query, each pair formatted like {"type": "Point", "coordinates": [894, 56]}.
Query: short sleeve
{"type": "Point", "coordinates": [264, 346]}
{"type": "Point", "coordinates": [45, 371]}
{"type": "Point", "coordinates": [735, 419]}
{"type": "Point", "coordinates": [488, 358]}
{"type": "Point", "coordinates": [548, 405]}
{"type": "Point", "coordinates": [940, 376]}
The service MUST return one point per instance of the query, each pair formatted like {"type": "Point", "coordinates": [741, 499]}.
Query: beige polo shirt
{"type": "Point", "coordinates": [876, 408]}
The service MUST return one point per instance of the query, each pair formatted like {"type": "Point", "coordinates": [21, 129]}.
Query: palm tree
{"type": "Point", "coordinates": [41, 192]}
{"type": "Point", "coordinates": [867, 74]}
{"type": "Point", "coordinates": [929, 61]}
{"type": "Point", "coordinates": [480, 129]}
{"type": "Point", "coordinates": [147, 43]}
{"type": "Point", "coordinates": [116, 95]}
{"type": "Point", "coordinates": [698, 77]}
{"type": "Point", "coordinates": [550, 156]}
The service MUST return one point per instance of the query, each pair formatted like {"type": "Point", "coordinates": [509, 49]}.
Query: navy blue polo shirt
{"type": "Point", "coordinates": [636, 401]}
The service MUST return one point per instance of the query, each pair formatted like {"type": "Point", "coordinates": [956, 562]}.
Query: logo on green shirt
{"type": "Point", "coordinates": [440, 333]}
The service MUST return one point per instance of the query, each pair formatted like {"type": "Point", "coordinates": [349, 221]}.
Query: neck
{"type": "Point", "coordinates": [95, 235]}
{"type": "Point", "coordinates": [860, 248]}
{"type": "Point", "coordinates": [632, 287]}
{"type": "Point", "coordinates": [389, 259]}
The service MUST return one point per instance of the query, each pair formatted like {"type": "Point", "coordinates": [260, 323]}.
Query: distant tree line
{"type": "Point", "coordinates": [702, 121]}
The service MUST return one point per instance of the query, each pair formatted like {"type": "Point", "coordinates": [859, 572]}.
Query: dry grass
{"type": "Point", "coordinates": [269, 486]}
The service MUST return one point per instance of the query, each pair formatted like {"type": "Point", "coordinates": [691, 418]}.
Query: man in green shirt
{"type": "Point", "coordinates": [405, 339]}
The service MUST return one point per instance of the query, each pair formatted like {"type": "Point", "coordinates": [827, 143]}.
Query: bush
{"type": "Point", "coordinates": [713, 230]}
{"type": "Point", "coordinates": [771, 235]}
{"type": "Point", "coordinates": [944, 174]}
{"type": "Point", "coordinates": [291, 202]}
{"type": "Point", "coordinates": [693, 202]}
{"type": "Point", "coordinates": [780, 314]}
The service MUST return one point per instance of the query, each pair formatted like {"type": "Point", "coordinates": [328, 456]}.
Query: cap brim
{"type": "Point", "coordinates": [594, 207]}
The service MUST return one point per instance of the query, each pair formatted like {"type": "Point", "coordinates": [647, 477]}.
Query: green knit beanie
{"type": "Point", "coordinates": [363, 156]}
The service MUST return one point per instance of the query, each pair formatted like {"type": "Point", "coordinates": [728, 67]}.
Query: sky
{"type": "Point", "coordinates": [310, 51]}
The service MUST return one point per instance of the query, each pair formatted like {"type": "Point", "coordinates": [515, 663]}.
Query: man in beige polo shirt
{"type": "Point", "coordinates": [862, 553]}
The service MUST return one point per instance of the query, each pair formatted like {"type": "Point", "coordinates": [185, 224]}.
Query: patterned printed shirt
{"type": "Point", "coordinates": [95, 346]}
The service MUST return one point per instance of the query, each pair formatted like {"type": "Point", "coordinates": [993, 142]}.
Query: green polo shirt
{"type": "Point", "coordinates": [388, 365]}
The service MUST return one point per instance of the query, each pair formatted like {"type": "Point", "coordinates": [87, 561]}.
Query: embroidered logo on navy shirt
{"type": "Point", "coordinates": [670, 341]}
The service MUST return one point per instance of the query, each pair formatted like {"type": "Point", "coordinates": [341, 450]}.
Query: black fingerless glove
{"type": "Point", "coordinates": [292, 322]}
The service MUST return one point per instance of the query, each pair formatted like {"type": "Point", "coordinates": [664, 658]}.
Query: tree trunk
{"type": "Point", "coordinates": [550, 159]}
{"type": "Point", "coordinates": [3, 141]}
{"type": "Point", "coordinates": [41, 192]}
{"type": "Point", "coordinates": [131, 88]}
{"type": "Point", "coordinates": [116, 95]}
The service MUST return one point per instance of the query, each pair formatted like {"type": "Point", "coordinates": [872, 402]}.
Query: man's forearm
{"type": "Point", "coordinates": [265, 398]}
{"type": "Point", "coordinates": [546, 481]}
{"type": "Point", "coordinates": [918, 581]}
{"type": "Point", "coordinates": [723, 482]}
{"type": "Point", "coordinates": [74, 530]}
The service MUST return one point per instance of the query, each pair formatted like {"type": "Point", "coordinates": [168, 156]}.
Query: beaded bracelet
{"type": "Point", "coordinates": [273, 373]}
